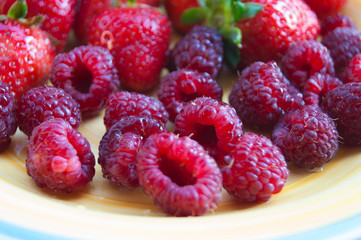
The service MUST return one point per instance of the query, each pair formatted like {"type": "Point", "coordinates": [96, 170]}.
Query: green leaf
{"type": "Point", "coordinates": [194, 15]}
{"type": "Point", "coordinates": [18, 10]}
{"type": "Point", "coordinates": [232, 54]}
{"type": "Point", "coordinates": [201, 3]}
{"type": "Point", "coordinates": [238, 10]}
{"type": "Point", "coordinates": [251, 9]}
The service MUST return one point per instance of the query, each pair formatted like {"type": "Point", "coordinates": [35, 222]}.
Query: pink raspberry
{"type": "Point", "coordinates": [125, 103]}
{"type": "Point", "coordinates": [213, 124]}
{"type": "Point", "coordinates": [182, 86]}
{"type": "Point", "coordinates": [353, 70]}
{"type": "Point", "coordinates": [88, 74]}
{"type": "Point", "coordinates": [43, 103]}
{"type": "Point", "coordinates": [179, 175]}
{"type": "Point", "coordinates": [258, 170]}
{"type": "Point", "coordinates": [307, 137]}
{"type": "Point", "coordinates": [119, 147]}
{"type": "Point", "coordinates": [8, 121]}
{"type": "Point", "coordinates": [304, 59]}
{"type": "Point", "coordinates": [59, 157]}
{"type": "Point", "coordinates": [332, 22]}
{"type": "Point", "coordinates": [262, 95]}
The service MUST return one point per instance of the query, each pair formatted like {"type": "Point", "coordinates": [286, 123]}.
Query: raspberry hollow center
{"type": "Point", "coordinates": [176, 171]}
{"type": "Point", "coordinates": [82, 78]}
{"type": "Point", "coordinates": [206, 135]}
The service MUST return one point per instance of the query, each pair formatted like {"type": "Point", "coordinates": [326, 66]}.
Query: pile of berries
{"type": "Point", "coordinates": [306, 91]}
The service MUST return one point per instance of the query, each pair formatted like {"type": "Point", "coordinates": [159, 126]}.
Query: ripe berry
{"type": "Point", "coordinates": [213, 124]}
{"type": "Point", "coordinates": [125, 103]}
{"type": "Point", "coordinates": [325, 8]}
{"type": "Point", "coordinates": [88, 74]}
{"type": "Point", "coordinates": [179, 175]}
{"type": "Point", "coordinates": [119, 147]}
{"type": "Point", "coordinates": [8, 121]}
{"type": "Point", "coordinates": [258, 169]}
{"type": "Point", "coordinates": [43, 103]}
{"type": "Point", "coordinates": [343, 105]}
{"type": "Point", "coordinates": [59, 157]}
{"type": "Point", "coordinates": [175, 10]}
{"type": "Point", "coordinates": [307, 137]}
{"type": "Point", "coordinates": [179, 87]}
{"type": "Point", "coordinates": [262, 95]}
{"type": "Point", "coordinates": [353, 69]}
{"type": "Point", "coordinates": [334, 21]}
{"type": "Point", "coordinates": [317, 86]}
{"type": "Point", "coordinates": [201, 49]}
{"type": "Point", "coordinates": [304, 59]}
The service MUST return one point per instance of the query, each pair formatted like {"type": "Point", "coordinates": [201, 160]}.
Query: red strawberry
{"type": "Point", "coordinates": [324, 8]}
{"type": "Point", "coordinates": [175, 10]}
{"type": "Point", "coordinates": [58, 16]}
{"type": "Point", "coordinates": [26, 55]}
{"type": "Point", "coordinates": [138, 38]}
{"type": "Point", "coordinates": [90, 8]}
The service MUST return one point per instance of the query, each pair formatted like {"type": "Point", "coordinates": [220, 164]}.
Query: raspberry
{"type": "Point", "coordinates": [119, 147]}
{"type": "Point", "coordinates": [258, 170]}
{"type": "Point", "coordinates": [213, 124]}
{"type": "Point", "coordinates": [304, 59]}
{"type": "Point", "coordinates": [201, 50]}
{"type": "Point", "coordinates": [343, 105]}
{"type": "Point", "coordinates": [88, 74]}
{"type": "Point", "coordinates": [43, 103]}
{"type": "Point", "coordinates": [182, 86]}
{"type": "Point", "coordinates": [8, 122]}
{"type": "Point", "coordinates": [125, 103]}
{"type": "Point", "coordinates": [334, 21]}
{"type": "Point", "coordinates": [307, 137]}
{"type": "Point", "coordinates": [179, 175]}
{"type": "Point", "coordinates": [59, 157]}
{"type": "Point", "coordinates": [317, 86]}
{"type": "Point", "coordinates": [262, 95]}
{"type": "Point", "coordinates": [344, 44]}
{"type": "Point", "coordinates": [353, 70]}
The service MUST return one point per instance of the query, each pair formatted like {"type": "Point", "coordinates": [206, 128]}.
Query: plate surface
{"type": "Point", "coordinates": [324, 204]}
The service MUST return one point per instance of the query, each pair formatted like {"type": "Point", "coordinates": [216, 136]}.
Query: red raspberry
{"type": "Point", "coordinates": [88, 74]}
{"type": "Point", "coordinates": [343, 105]}
{"type": "Point", "coordinates": [8, 122]}
{"type": "Point", "coordinates": [258, 170]}
{"type": "Point", "coordinates": [344, 44]}
{"type": "Point", "coordinates": [304, 59]}
{"type": "Point", "coordinates": [317, 86]}
{"type": "Point", "coordinates": [119, 146]}
{"type": "Point", "coordinates": [182, 86]}
{"type": "Point", "coordinates": [353, 70]}
{"type": "Point", "coordinates": [262, 95]}
{"type": "Point", "coordinates": [180, 176]}
{"type": "Point", "coordinates": [59, 157]}
{"type": "Point", "coordinates": [334, 21]}
{"type": "Point", "coordinates": [43, 103]}
{"type": "Point", "coordinates": [125, 103]}
{"type": "Point", "coordinates": [213, 124]}
{"type": "Point", "coordinates": [201, 50]}
{"type": "Point", "coordinates": [307, 137]}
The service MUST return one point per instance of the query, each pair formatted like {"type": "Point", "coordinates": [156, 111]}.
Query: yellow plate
{"type": "Point", "coordinates": [324, 204]}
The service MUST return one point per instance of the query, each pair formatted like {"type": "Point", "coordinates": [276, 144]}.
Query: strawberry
{"type": "Point", "coordinates": [175, 10]}
{"type": "Point", "coordinates": [138, 38]}
{"type": "Point", "coordinates": [59, 16]}
{"type": "Point", "coordinates": [324, 8]}
{"type": "Point", "coordinates": [90, 8]}
{"type": "Point", "coordinates": [26, 53]}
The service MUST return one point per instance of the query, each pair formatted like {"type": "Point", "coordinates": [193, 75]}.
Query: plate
{"type": "Point", "coordinates": [323, 204]}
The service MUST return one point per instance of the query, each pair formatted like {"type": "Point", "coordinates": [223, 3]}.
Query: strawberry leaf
{"type": "Point", "coordinates": [232, 54]}
{"type": "Point", "coordinates": [18, 10]}
{"type": "Point", "coordinates": [238, 10]}
{"type": "Point", "coordinates": [251, 9]}
{"type": "Point", "coordinates": [194, 15]}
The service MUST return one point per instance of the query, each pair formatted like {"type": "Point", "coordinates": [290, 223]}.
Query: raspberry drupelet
{"type": "Point", "coordinates": [179, 175]}
{"type": "Point", "coordinates": [8, 121]}
{"type": "Point", "coordinates": [334, 21]}
{"type": "Point", "coordinates": [317, 86]}
{"type": "Point", "coordinates": [43, 103]}
{"type": "Point", "coordinates": [179, 87]}
{"type": "Point", "coordinates": [304, 59]}
{"type": "Point", "coordinates": [88, 74]}
{"type": "Point", "coordinates": [126, 103]}
{"type": "Point", "coordinates": [258, 169]}
{"type": "Point", "coordinates": [353, 70]}
{"type": "Point", "coordinates": [262, 95]}
{"type": "Point", "coordinates": [307, 137]}
{"type": "Point", "coordinates": [59, 157]}
{"type": "Point", "coordinates": [119, 147]}
{"type": "Point", "coordinates": [343, 105]}
{"type": "Point", "coordinates": [201, 49]}
{"type": "Point", "coordinates": [213, 124]}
